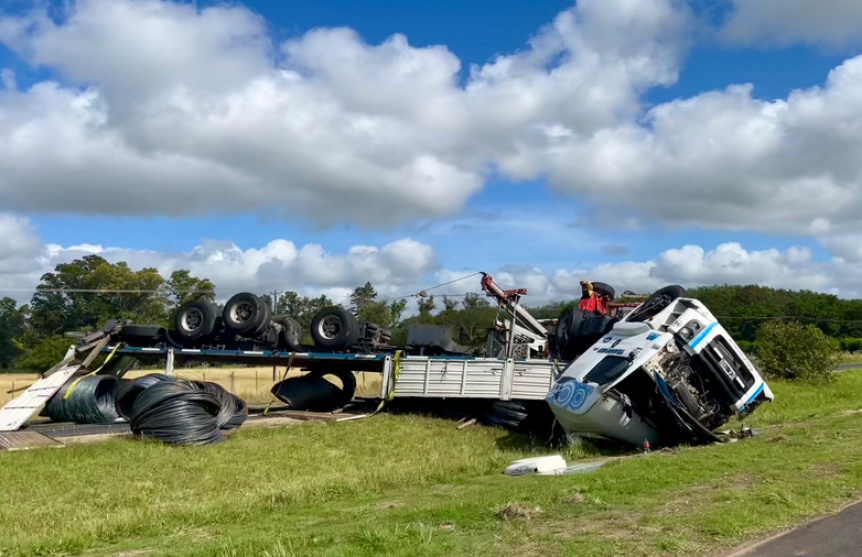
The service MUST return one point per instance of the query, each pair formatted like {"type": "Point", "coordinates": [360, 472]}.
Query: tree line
{"type": "Point", "coordinates": [86, 293]}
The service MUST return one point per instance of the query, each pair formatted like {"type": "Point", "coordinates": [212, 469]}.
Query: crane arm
{"type": "Point", "coordinates": [508, 299]}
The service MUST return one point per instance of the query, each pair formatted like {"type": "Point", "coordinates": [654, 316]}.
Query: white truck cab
{"type": "Point", "coordinates": [666, 373]}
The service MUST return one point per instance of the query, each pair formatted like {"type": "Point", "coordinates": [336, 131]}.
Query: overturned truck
{"type": "Point", "coordinates": [665, 373]}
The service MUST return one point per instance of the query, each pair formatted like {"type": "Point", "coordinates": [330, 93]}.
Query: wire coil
{"type": "Point", "coordinates": [174, 411]}
{"type": "Point", "coordinates": [92, 400]}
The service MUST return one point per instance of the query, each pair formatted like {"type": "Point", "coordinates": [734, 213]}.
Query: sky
{"type": "Point", "coordinates": [316, 145]}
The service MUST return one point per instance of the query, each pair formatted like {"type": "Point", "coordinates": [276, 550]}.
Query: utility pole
{"type": "Point", "coordinates": [274, 299]}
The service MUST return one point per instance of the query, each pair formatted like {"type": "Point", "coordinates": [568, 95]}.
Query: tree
{"type": "Point", "coordinates": [473, 301]}
{"type": "Point", "coordinates": [182, 287]}
{"type": "Point", "coordinates": [426, 306]}
{"type": "Point", "coordinates": [302, 309]}
{"type": "Point", "coordinates": [396, 310]}
{"type": "Point", "coordinates": [796, 352]}
{"type": "Point", "coordinates": [87, 292]}
{"type": "Point", "coordinates": [42, 354]}
{"type": "Point", "coordinates": [362, 296]}
{"type": "Point", "coordinates": [12, 327]}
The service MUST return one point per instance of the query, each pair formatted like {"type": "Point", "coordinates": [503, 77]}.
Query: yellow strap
{"type": "Point", "coordinates": [396, 370]}
{"type": "Point", "coordinates": [74, 384]}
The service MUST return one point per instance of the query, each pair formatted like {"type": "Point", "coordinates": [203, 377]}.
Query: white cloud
{"type": "Point", "coordinates": [172, 110]}
{"type": "Point", "coordinates": [405, 267]}
{"type": "Point", "coordinates": [725, 159]}
{"type": "Point", "coordinates": [781, 22]}
{"type": "Point", "coordinates": [168, 102]}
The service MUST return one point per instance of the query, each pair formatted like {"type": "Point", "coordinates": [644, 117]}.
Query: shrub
{"type": "Point", "coordinates": [796, 352]}
{"type": "Point", "coordinates": [43, 354]}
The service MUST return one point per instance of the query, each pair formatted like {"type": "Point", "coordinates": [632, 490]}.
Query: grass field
{"type": "Point", "coordinates": [412, 486]}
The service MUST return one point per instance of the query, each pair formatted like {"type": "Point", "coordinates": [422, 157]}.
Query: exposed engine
{"type": "Point", "coordinates": [675, 367]}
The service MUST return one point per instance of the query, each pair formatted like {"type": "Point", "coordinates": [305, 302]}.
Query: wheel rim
{"type": "Point", "coordinates": [241, 312]}
{"type": "Point", "coordinates": [329, 327]}
{"type": "Point", "coordinates": [192, 319]}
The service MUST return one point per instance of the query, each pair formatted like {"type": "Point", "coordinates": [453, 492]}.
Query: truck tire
{"type": "Point", "coordinates": [333, 328]}
{"type": "Point", "coordinates": [195, 320]}
{"type": "Point", "coordinates": [605, 289]}
{"type": "Point", "coordinates": [314, 393]}
{"type": "Point", "coordinates": [567, 323]}
{"type": "Point", "coordinates": [657, 301]}
{"type": "Point", "coordinates": [244, 313]}
{"type": "Point", "coordinates": [141, 334]}
{"type": "Point", "coordinates": [265, 321]}
{"type": "Point", "coordinates": [291, 334]}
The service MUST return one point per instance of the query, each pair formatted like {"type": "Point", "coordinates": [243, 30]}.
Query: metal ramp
{"type": "Point", "coordinates": [17, 411]}
{"type": "Point", "coordinates": [21, 440]}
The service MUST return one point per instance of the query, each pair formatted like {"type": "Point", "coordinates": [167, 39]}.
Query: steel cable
{"type": "Point", "coordinates": [240, 414]}
{"type": "Point", "coordinates": [171, 410]}
{"type": "Point", "coordinates": [227, 405]}
{"type": "Point", "coordinates": [92, 400]}
{"type": "Point", "coordinates": [130, 389]}
{"type": "Point", "coordinates": [178, 413]}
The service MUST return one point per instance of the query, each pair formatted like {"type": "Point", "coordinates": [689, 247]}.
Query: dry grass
{"type": "Point", "coordinates": [250, 383]}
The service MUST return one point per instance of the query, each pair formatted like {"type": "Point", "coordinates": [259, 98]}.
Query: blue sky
{"type": "Point", "coordinates": [507, 221]}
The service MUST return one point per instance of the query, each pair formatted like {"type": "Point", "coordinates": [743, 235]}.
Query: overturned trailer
{"type": "Point", "coordinates": [666, 373]}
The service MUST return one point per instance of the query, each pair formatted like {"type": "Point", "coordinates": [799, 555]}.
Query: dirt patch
{"type": "Point", "coordinates": [135, 553]}
{"type": "Point", "coordinates": [575, 498]}
{"type": "Point", "coordinates": [271, 422]}
{"type": "Point", "coordinates": [825, 469]}
{"type": "Point", "coordinates": [518, 511]}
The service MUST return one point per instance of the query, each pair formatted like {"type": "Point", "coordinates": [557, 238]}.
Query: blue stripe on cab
{"type": "Point", "coordinates": [699, 338]}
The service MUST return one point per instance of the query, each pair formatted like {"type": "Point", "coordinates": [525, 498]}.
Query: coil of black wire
{"type": "Point", "coordinates": [92, 400]}
{"type": "Point", "coordinates": [178, 413]}
{"type": "Point", "coordinates": [130, 389]}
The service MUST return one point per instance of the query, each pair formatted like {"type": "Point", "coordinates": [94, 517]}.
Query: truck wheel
{"type": "Point", "coordinates": [141, 333]}
{"type": "Point", "coordinates": [604, 289]}
{"type": "Point", "coordinates": [332, 328]}
{"type": "Point", "coordinates": [657, 301]}
{"type": "Point", "coordinates": [195, 320]}
{"type": "Point", "coordinates": [244, 313]}
{"type": "Point", "coordinates": [314, 393]}
{"type": "Point", "coordinates": [291, 336]}
{"type": "Point", "coordinates": [568, 329]}
{"type": "Point", "coordinates": [265, 320]}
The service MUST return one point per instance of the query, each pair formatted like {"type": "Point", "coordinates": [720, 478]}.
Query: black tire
{"type": "Point", "coordinates": [195, 320]}
{"type": "Point", "coordinates": [142, 333]}
{"type": "Point", "coordinates": [313, 392]}
{"type": "Point", "coordinates": [605, 289]}
{"type": "Point", "coordinates": [291, 334]}
{"type": "Point", "coordinates": [333, 328]}
{"type": "Point", "coordinates": [265, 321]}
{"type": "Point", "coordinates": [568, 325]}
{"type": "Point", "coordinates": [577, 330]}
{"type": "Point", "coordinates": [244, 313]}
{"type": "Point", "coordinates": [657, 301]}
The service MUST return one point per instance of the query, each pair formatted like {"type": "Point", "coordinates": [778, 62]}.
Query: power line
{"type": "Point", "coordinates": [422, 293]}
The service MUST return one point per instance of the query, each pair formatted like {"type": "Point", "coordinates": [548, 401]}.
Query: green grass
{"type": "Point", "coordinates": [411, 486]}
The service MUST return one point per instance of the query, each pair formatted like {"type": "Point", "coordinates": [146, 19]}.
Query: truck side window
{"type": "Point", "coordinates": [607, 370]}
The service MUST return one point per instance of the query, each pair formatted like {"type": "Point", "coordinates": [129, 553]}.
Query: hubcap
{"type": "Point", "coordinates": [192, 319]}
{"type": "Point", "coordinates": [329, 327]}
{"type": "Point", "coordinates": [241, 312]}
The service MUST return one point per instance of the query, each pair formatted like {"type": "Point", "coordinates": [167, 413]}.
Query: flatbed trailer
{"type": "Point", "coordinates": [402, 375]}
{"type": "Point", "coordinates": [524, 369]}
